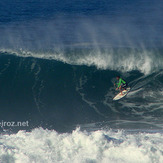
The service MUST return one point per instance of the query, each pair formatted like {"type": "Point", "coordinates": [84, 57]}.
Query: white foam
{"type": "Point", "coordinates": [48, 146]}
{"type": "Point", "coordinates": [144, 61]}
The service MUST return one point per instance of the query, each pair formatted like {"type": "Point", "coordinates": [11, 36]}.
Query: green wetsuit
{"type": "Point", "coordinates": [120, 82]}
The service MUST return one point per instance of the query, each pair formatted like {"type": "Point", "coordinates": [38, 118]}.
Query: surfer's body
{"type": "Point", "coordinates": [121, 85]}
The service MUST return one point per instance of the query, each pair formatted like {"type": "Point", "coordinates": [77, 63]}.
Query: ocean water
{"type": "Point", "coordinates": [58, 63]}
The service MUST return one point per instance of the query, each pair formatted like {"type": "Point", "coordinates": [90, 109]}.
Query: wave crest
{"type": "Point", "coordinates": [123, 59]}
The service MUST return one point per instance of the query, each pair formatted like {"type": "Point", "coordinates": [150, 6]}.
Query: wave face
{"type": "Point", "coordinates": [57, 95]}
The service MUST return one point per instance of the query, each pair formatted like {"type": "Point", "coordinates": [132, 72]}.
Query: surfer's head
{"type": "Point", "coordinates": [118, 77]}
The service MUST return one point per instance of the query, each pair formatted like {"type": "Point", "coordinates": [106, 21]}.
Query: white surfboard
{"type": "Point", "coordinates": [119, 95]}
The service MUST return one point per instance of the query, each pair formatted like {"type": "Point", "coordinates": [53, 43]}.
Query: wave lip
{"type": "Point", "coordinates": [120, 59]}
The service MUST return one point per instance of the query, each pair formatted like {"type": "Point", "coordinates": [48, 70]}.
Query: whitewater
{"type": "Point", "coordinates": [42, 146]}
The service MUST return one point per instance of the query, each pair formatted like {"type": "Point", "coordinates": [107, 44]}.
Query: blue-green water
{"type": "Point", "coordinates": [57, 95]}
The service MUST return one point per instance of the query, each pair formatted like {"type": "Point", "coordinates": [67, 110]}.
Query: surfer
{"type": "Point", "coordinates": [121, 85]}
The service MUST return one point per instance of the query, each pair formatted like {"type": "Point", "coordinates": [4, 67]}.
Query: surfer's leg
{"type": "Point", "coordinates": [120, 88]}
{"type": "Point", "coordinates": [124, 86]}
